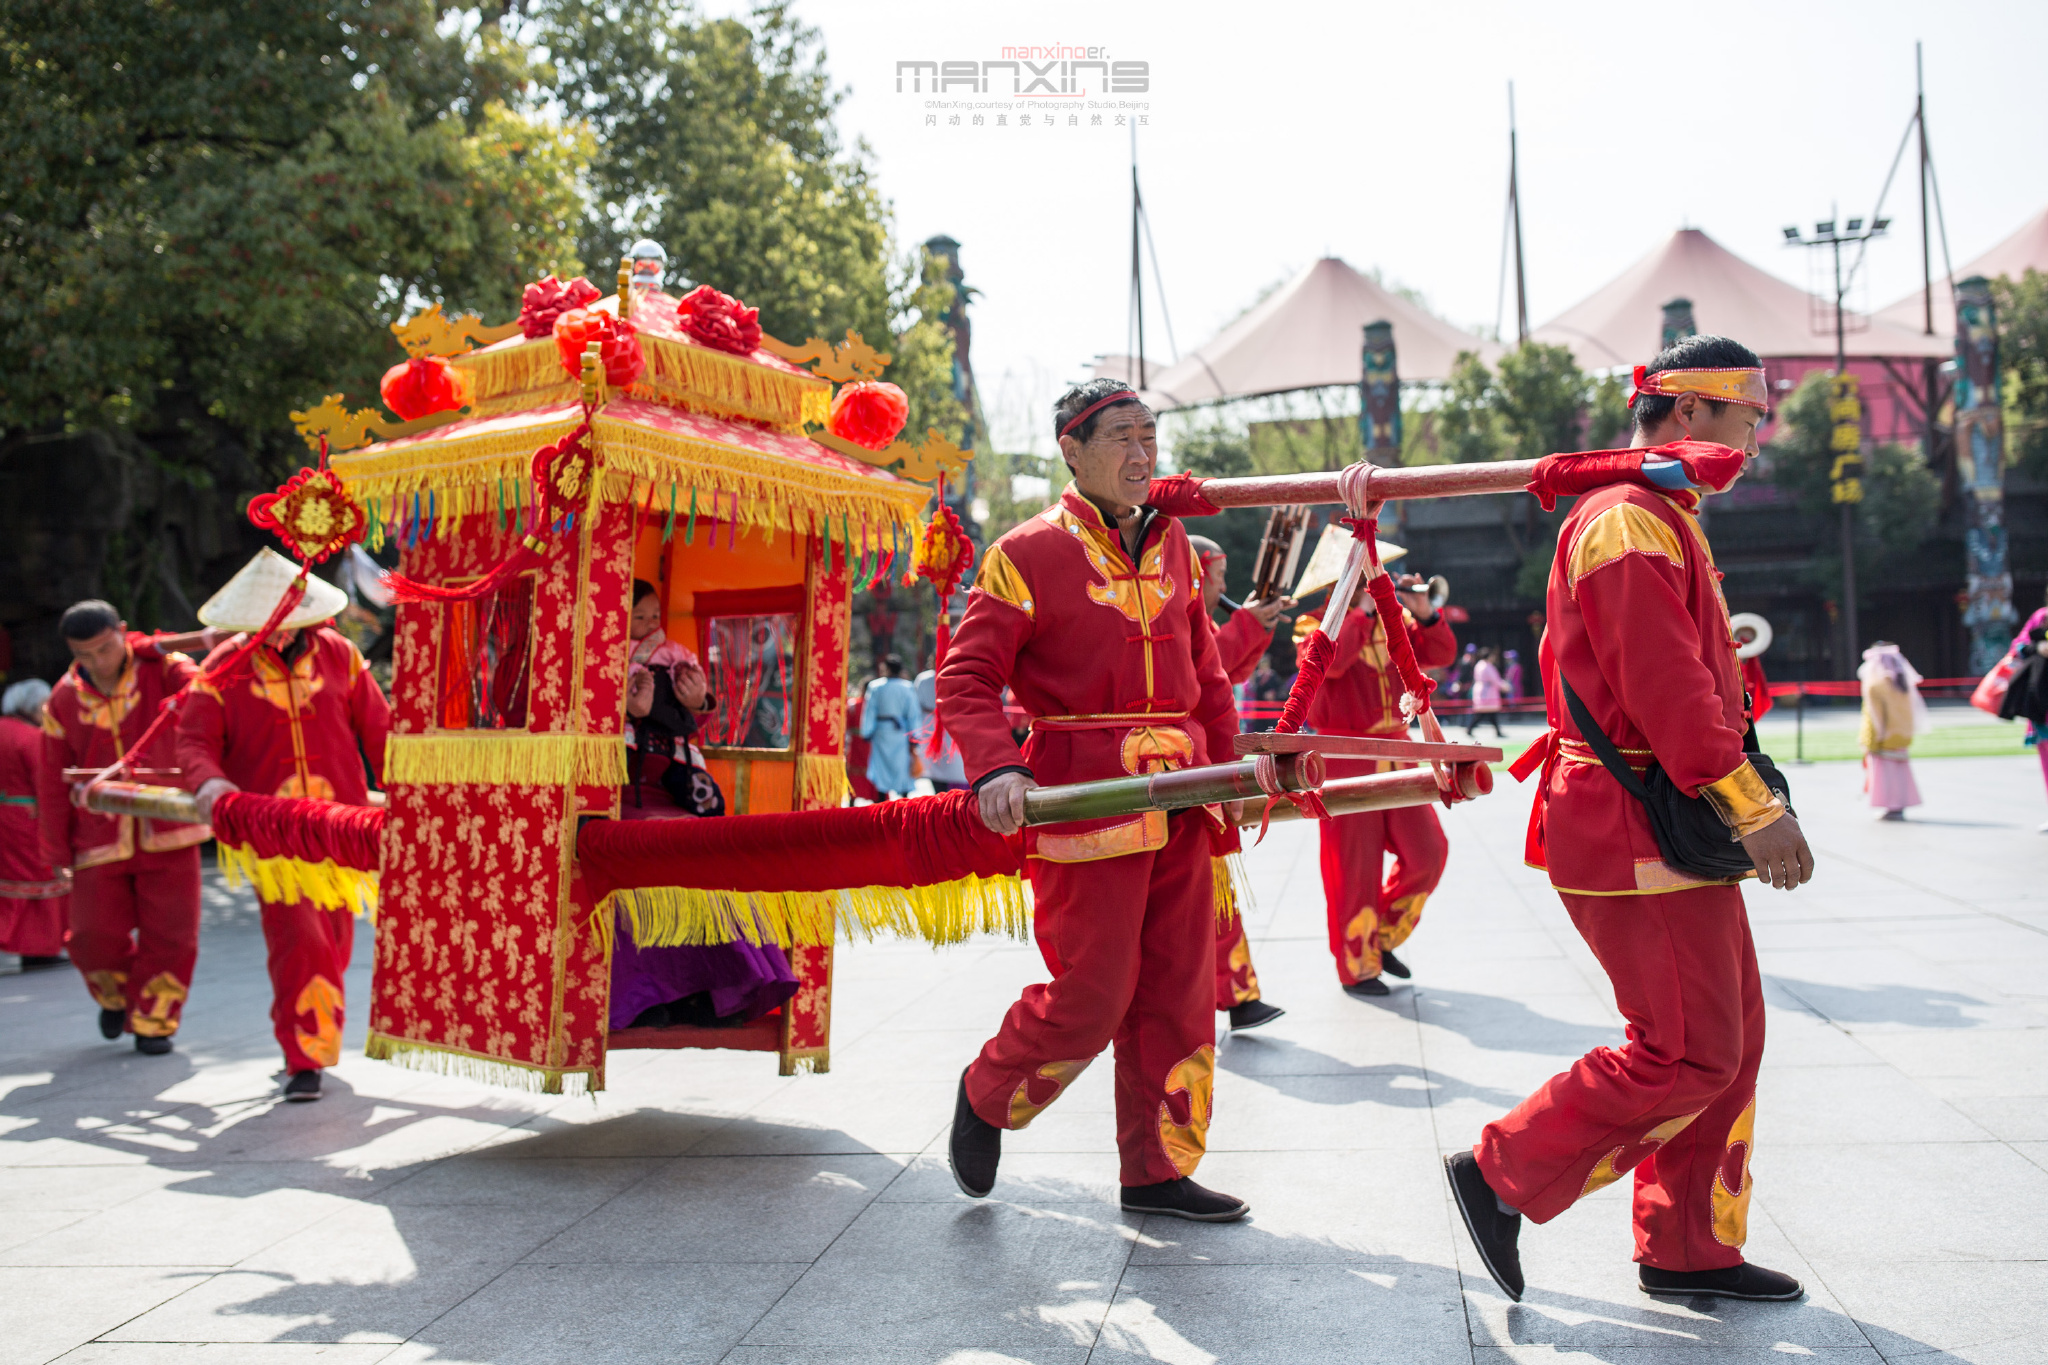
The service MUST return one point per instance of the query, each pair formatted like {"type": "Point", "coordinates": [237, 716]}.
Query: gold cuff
{"type": "Point", "coordinates": [1742, 801]}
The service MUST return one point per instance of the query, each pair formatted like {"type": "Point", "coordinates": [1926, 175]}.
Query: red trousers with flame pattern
{"type": "Point", "coordinates": [1676, 1103]}
{"type": "Point", "coordinates": [1371, 907]}
{"type": "Point", "coordinates": [1130, 942]}
{"type": "Point", "coordinates": [135, 935]}
{"type": "Point", "coordinates": [309, 950]}
{"type": "Point", "coordinates": [1236, 979]}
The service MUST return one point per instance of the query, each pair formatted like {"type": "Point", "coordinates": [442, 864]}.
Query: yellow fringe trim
{"type": "Point", "coordinates": [948, 912]}
{"type": "Point", "coordinates": [285, 881]}
{"type": "Point", "coordinates": [821, 780]}
{"type": "Point", "coordinates": [1231, 886]}
{"type": "Point", "coordinates": [515, 758]}
{"type": "Point", "coordinates": [478, 474]}
{"type": "Point", "coordinates": [677, 375]}
{"type": "Point", "coordinates": [471, 1066]}
{"type": "Point", "coordinates": [773, 491]}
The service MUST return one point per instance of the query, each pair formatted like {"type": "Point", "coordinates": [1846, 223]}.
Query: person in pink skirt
{"type": "Point", "coordinates": [1893, 713]}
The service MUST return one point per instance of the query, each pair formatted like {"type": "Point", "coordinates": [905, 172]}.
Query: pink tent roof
{"type": "Point", "coordinates": [1622, 323]}
{"type": "Point", "coordinates": [2026, 249]}
{"type": "Point", "coordinates": [1308, 334]}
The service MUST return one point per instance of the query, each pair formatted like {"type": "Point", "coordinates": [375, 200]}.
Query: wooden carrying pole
{"type": "Point", "coordinates": [1382, 485]}
{"type": "Point", "coordinates": [1177, 790]}
{"type": "Point", "coordinates": [138, 798]}
{"type": "Point", "coordinates": [1379, 791]}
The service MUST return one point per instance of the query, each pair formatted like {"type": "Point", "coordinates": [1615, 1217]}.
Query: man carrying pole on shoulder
{"type": "Point", "coordinates": [1641, 677]}
{"type": "Point", "coordinates": [1092, 613]}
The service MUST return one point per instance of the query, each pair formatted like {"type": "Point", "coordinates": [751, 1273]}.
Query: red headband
{"type": "Point", "coordinates": [1120, 396]}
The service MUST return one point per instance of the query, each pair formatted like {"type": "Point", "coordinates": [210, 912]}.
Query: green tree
{"type": "Point", "coordinates": [921, 356]}
{"type": "Point", "coordinates": [1608, 422]}
{"type": "Point", "coordinates": [1901, 496]}
{"type": "Point", "coordinates": [1539, 394]}
{"type": "Point", "coordinates": [2022, 307]}
{"type": "Point", "coordinates": [211, 215]}
{"type": "Point", "coordinates": [1467, 423]}
{"type": "Point", "coordinates": [715, 138]}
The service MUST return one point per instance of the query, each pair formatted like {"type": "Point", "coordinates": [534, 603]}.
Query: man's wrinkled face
{"type": "Point", "coordinates": [1212, 580]}
{"type": "Point", "coordinates": [1114, 466]}
{"type": "Point", "coordinates": [646, 616]}
{"type": "Point", "coordinates": [105, 654]}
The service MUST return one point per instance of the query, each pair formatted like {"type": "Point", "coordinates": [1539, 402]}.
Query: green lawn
{"type": "Point", "coordinates": [1836, 743]}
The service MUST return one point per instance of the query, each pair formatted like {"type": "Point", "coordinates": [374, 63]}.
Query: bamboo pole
{"type": "Point", "coordinates": [1378, 791]}
{"type": "Point", "coordinates": [1176, 790]}
{"type": "Point", "coordinates": [1421, 481]}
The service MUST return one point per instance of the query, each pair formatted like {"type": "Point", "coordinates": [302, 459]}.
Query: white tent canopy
{"type": "Point", "coordinates": [1621, 324]}
{"type": "Point", "coordinates": [1308, 334]}
{"type": "Point", "coordinates": [2026, 249]}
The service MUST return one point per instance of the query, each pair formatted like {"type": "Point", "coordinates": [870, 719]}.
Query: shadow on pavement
{"type": "Point", "coordinates": [1918, 1006]}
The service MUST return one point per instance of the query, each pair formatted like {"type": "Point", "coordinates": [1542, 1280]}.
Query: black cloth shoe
{"type": "Point", "coordinates": [151, 1047]}
{"type": "Point", "coordinates": [1251, 1014]}
{"type": "Point", "coordinates": [111, 1023]}
{"type": "Point", "coordinates": [1494, 1233]}
{"type": "Point", "coordinates": [975, 1149]}
{"type": "Point", "coordinates": [304, 1086]}
{"type": "Point", "coordinates": [1743, 1281]}
{"type": "Point", "coordinates": [43, 962]}
{"type": "Point", "coordinates": [1393, 966]}
{"type": "Point", "coordinates": [1369, 989]}
{"type": "Point", "coordinates": [1183, 1198]}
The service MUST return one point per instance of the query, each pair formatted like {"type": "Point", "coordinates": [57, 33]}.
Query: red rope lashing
{"type": "Point", "coordinates": [1312, 661]}
{"type": "Point", "coordinates": [310, 831]}
{"type": "Point", "coordinates": [1413, 681]}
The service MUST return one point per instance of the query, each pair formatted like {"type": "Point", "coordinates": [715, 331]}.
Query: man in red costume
{"type": "Point", "coordinates": [1240, 644]}
{"type": "Point", "coordinates": [1372, 910]}
{"type": "Point", "coordinates": [135, 883]}
{"type": "Point", "coordinates": [35, 898]}
{"type": "Point", "coordinates": [296, 718]}
{"type": "Point", "coordinates": [1092, 614]}
{"type": "Point", "coordinates": [1640, 633]}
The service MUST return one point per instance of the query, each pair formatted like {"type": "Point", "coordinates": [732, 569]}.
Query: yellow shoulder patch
{"type": "Point", "coordinates": [52, 727]}
{"type": "Point", "coordinates": [999, 578]}
{"type": "Point", "coordinates": [1622, 529]}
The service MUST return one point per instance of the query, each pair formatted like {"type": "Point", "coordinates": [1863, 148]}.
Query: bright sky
{"type": "Point", "coordinates": [1283, 131]}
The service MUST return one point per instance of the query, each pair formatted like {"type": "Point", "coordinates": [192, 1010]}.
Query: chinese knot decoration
{"type": "Point", "coordinates": [868, 413]}
{"type": "Point", "coordinates": [944, 554]}
{"type": "Point", "coordinates": [424, 385]}
{"type": "Point", "coordinates": [719, 321]}
{"type": "Point", "coordinates": [548, 298]}
{"type": "Point", "coordinates": [312, 514]}
{"type": "Point", "coordinates": [617, 340]}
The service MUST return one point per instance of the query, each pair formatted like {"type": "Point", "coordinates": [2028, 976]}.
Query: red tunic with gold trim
{"type": "Point", "coordinates": [1116, 662]}
{"type": "Point", "coordinates": [1638, 626]}
{"type": "Point", "coordinates": [135, 891]}
{"type": "Point", "coordinates": [292, 726]}
{"type": "Point", "coordinates": [1240, 643]}
{"type": "Point", "coordinates": [1371, 907]}
{"type": "Point", "coordinates": [35, 902]}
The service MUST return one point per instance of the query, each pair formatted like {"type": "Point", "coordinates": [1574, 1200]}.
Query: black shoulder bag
{"type": "Point", "coordinates": [1691, 836]}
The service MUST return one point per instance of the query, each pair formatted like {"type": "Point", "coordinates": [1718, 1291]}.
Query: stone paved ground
{"type": "Point", "coordinates": [167, 1210]}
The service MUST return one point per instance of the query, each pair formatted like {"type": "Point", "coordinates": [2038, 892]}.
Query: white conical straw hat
{"type": "Point", "coordinates": [247, 600]}
{"type": "Point", "coordinates": [1326, 565]}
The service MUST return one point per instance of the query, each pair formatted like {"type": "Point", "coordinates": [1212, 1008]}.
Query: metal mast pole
{"type": "Point", "coordinates": [1848, 508]}
{"type": "Point", "coordinates": [1515, 208]}
{"type": "Point", "coordinates": [1137, 275]}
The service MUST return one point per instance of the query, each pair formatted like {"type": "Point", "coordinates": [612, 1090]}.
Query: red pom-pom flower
{"type": "Point", "coordinates": [548, 298]}
{"type": "Point", "coordinates": [868, 413]}
{"type": "Point", "coordinates": [719, 321]}
{"type": "Point", "coordinates": [618, 345]}
{"type": "Point", "coordinates": [423, 385]}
